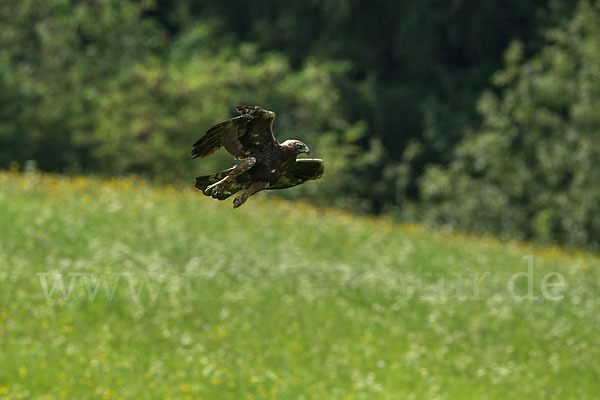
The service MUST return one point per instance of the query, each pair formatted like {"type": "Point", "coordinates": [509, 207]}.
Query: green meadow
{"type": "Point", "coordinates": [120, 289]}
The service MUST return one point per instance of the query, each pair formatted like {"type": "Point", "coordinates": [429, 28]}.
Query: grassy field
{"type": "Point", "coordinates": [120, 289]}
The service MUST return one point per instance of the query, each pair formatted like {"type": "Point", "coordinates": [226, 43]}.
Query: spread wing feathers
{"type": "Point", "coordinates": [240, 183]}
{"type": "Point", "coordinates": [303, 170]}
{"type": "Point", "coordinates": [241, 136]}
{"type": "Point", "coordinates": [223, 134]}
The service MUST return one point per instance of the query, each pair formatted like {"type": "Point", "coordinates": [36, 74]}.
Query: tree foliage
{"type": "Point", "coordinates": [55, 59]}
{"type": "Point", "coordinates": [531, 169]}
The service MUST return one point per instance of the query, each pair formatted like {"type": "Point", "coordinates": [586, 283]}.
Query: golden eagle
{"type": "Point", "coordinates": [267, 163]}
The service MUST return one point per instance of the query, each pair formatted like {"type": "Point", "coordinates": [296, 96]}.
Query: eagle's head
{"type": "Point", "coordinates": [297, 146]}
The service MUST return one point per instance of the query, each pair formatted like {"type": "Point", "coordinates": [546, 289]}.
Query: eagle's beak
{"type": "Point", "coordinates": [307, 151]}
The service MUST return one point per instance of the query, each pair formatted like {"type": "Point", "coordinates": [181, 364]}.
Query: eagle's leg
{"type": "Point", "coordinates": [253, 189]}
{"type": "Point", "coordinates": [239, 169]}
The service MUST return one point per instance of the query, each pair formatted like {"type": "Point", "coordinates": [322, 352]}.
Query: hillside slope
{"type": "Point", "coordinates": [118, 289]}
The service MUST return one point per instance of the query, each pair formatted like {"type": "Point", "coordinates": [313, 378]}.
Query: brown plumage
{"type": "Point", "coordinates": [267, 163]}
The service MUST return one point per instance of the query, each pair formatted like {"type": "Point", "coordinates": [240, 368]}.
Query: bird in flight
{"type": "Point", "coordinates": [267, 164]}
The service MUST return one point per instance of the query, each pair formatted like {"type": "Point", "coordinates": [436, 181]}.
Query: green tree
{"type": "Point", "coordinates": [56, 56]}
{"type": "Point", "coordinates": [533, 168]}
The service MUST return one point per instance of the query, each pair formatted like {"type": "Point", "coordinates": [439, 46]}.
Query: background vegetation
{"type": "Point", "coordinates": [468, 114]}
{"type": "Point", "coordinates": [119, 289]}
{"type": "Point", "coordinates": [474, 115]}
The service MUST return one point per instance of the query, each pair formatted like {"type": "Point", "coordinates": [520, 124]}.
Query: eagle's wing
{"type": "Point", "coordinates": [305, 169]}
{"type": "Point", "coordinates": [241, 136]}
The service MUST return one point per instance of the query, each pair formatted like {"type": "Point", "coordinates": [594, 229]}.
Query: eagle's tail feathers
{"type": "Point", "coordinates": [202, 182]}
